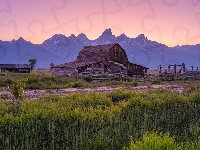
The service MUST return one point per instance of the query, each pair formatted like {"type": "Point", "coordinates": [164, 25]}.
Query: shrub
{"type": "Point", "coordinates": [77, 84]}
{"type": "Point", "coordinates": [17, 89]}
{"type": "Point", "coordinates": [87, 79]}
{"type": "Point", "coordinates": [134, 83]}
{"type": "Point", "coordinates": [156, 81]}
{"type": "Point", "coordinates": [154, 142]}
{"type": "Point", "coordinates": [120, 95]}
{"type": "Point", "coordinates": [94, 100]}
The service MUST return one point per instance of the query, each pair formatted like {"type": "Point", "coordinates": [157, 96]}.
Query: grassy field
{"type": "Point", "coordinates": [116, 120]}
{"type": "Point", "coordinates": [42, 79]}
{"type": "Point", "coordinates": [121, 119]}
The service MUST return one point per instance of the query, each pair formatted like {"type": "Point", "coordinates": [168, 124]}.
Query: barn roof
{"type": "Point", "coordinates": [74, 64]}
{"type": "Point", "coordinates": [94, 53]}
{"type": "Point", "coordinates": [138, 65]}
{"type": "Point", "coordinates": [14, 66]}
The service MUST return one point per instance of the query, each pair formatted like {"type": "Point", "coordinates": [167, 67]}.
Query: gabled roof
{"type": "Point", "coordinates": [14, 66]}
{"type": "Point", "coordinates": [94, 53]}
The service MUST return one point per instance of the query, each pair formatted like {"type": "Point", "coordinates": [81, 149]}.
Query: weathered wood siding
{"type": "Point", "coordinates": [108, 59]}
{"type": "Point", "coordinates": [117, 54]}
{"type": "Point", "coordinates": [62, 71]}
{"type": "Point", "coordinates": [134, 69]}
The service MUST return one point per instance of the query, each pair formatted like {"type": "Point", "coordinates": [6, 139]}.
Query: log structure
{"type": "Point", "coordinates": [110, 59]}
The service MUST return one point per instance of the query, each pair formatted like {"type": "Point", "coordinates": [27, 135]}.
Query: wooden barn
{"type": "Point", "coordinates": [16, 68]}
{"type": "Point", "coordinates": [110, 59]}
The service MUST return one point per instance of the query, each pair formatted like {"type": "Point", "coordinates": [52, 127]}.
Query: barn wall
{"type": "Point", "coordinates": [62, 71]}
{"type": "Point", "coordinates": [118, 54]}
{"type": "Point", "coordinates": [135, 69]}
{"type": "Point", "coordinates": [16, 70]}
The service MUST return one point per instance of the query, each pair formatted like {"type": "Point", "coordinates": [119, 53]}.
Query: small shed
{"type": "Point", "coordinates": [16, 68]}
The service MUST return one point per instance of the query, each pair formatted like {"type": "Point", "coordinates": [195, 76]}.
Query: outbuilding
{"type": "Point", "coordinates": [16, 68]}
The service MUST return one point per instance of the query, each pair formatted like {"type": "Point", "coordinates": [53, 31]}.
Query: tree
{"type": "Point", "coordinates": [32, 63]}
{"type": "Point", "coordinates": [51, 66]}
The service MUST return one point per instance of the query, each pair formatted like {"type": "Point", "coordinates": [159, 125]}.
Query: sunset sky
{"type": "Point", "coordinates": [171, 22]}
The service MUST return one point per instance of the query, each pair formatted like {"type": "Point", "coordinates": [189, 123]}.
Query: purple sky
{"type": "Point", "coordinates": [172, 22]}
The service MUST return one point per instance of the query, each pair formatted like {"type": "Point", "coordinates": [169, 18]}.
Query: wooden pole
{"type": "Point", "coordinates": [160, 68]}
{"type": "Point", "coordinates": [169, 68]}
{"type": "Point", "coordinates": [183, 67]}
{"type": "Point", "coordinates": [175, 69]}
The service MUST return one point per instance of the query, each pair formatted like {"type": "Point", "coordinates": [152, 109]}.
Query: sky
{"type": "Point", "coordinates": [171, 22]}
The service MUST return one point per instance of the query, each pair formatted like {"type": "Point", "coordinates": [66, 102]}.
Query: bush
{"type": "Point", "coordinates": [154, 142]}
{"type": "Point", "coordinates": [77, 84]}
{"type": "Point", "coordinates": [134, 83]}
{"type": "Point", "coordinates": [120, 95]}
{"type": "Point", "coordinates": [17, 89]}
{"type": "Point", "coordinates": [93, 100]}
{"type": "Point", "coordinates": [156, 81]}
{"type": "Point", "coordinates": [87, 79]}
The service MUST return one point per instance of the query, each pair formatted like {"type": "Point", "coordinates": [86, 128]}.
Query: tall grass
{"type": "Point", "coordinates": [93, 121]}
{"type": "Point", "coordinates": [43, 80]}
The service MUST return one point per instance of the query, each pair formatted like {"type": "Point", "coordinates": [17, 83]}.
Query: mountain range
{"type": "Point", "coordinates": [61, 49]}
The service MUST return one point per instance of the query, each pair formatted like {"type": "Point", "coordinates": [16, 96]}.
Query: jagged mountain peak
{"type": "Point", "coordinates": [107, 32]}
{"type": "Point", "coordinates": [83, 38]}
{"type": "Point", "coordinates": [123, 35]}
{"type": "Point", "coordinates": [82, 35]}
{"type": "Point", "coordinates": [141, 36]}
{"type": "Point", "coordinates": [21, 40]}
{"type": "Point", "coordinates": [72, 36]}
{"type": "Point", "coordinates": [58, 36]}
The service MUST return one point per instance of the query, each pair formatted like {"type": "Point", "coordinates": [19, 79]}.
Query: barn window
{"type": "Point", "coordinates": [115, 52]}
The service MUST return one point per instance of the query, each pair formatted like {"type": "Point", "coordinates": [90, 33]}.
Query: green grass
{"type": "Point", "coordinates": [42, 79]}
{"type": "Point", "coordinates": [102, 121]}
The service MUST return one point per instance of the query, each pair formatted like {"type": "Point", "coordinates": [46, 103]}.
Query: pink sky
{"type": "Point", "coordinates": [171, 22]}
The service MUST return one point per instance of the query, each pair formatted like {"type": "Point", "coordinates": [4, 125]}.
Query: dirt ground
{"type": "Point", "coordinates": [36, 94]}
